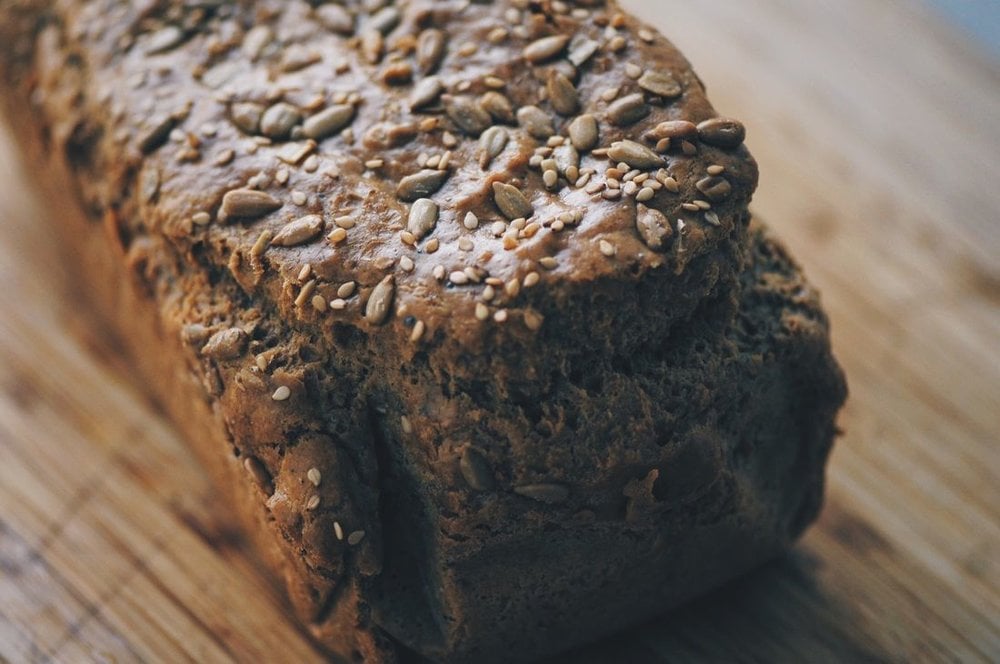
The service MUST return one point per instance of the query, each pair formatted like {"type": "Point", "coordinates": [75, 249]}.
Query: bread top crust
{"type": "Point", "coordinates": [330, 157]}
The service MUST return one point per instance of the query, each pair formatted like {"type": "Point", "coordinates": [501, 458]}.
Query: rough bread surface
{"type": "Point", "coordinates": [461, 302]}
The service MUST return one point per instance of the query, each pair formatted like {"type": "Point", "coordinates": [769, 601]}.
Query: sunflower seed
{"type": "Point", "coordinates": [426, 92]}
{"type": "Point", "coordinates": [714, 188]}
{"type": "Point", "coordinates": [299, 231]}
{"type": "Point", "coordinates": [628, 110]}
{"type": "Point", "coordinates": [567, 161]}
{"type": "Point", "coordinates": [226, 344]}
{"type": "Point", "coordinates": [256, 40]}
{"type": "Point", "coordinates": [246, 116]}
{"type": "Point", "coordinates": [722, 132]}
{"type": "Point", "coordinates": [164, 39]}
{"type": "Point", "coordinates": [420, 185]}
{"type": "Point", "coordinates": [335, 18]}
{"type": "Point", "coordinates": [278, 120]}
{"type": "Point", "coordinates": [476, 469]}
{"type": "Point", "coordinates": [545, 48]}
{"type": "Point", "coordinates": [493, 141]}
{"type": "Point", "coordinates": [372, 46]}
{"type": "Point", "coordinates": [380, 301]}
{"type": "Point", "coordinates": [430, 50]}
{"type": "Point", "coordinates": [467, 115]}
{"type": "Point", "coordinates": [247, 204]}
{"type": "Point", "coordinates": [535, 121]}
{"type": "Point", "coordinates": [562, 94]}
{"type": "Point", "coordinates": [497, 105]}
{"type": "Point", "coordinates": [384, 20]}
{"type": "Point", "coordinates": [149, 183]}
{"type": "Point", "coordinates": [681, 129]}
{"type": "Point", "coordinates": [654, 228]}
{"type": "Point", "coordinates": [156, 133]}
{"type": "Point", "coordinates": [660, 83]}
{"type": "Point", "coordinates": [328, 121]}
{"type": "Point", "coordinates": [582, 51]}
{"type": "Point", "coordinates": [583, 132]}
{"type": "Point", "coordinates": [423, 217]}
{"type": "Point", "coordinates": [544, 493]}
{"type": "Point", "coordinates": [635, 155]}
{"type": "Point", "coordinates": [511, 201]}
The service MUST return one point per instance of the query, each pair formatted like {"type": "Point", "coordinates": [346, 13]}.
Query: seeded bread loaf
{"type": "Point", "coordinates": [459, 301]}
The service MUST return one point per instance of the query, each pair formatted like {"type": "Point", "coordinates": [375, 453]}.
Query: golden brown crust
{"type": "Point", "coordinates": [443, 436]}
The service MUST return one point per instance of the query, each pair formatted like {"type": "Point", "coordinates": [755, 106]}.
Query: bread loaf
{"type": "Point", "coordinates": [460, 302]}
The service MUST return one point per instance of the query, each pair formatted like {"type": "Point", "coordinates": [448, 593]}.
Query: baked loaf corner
{"type": "Point", "coordinates": [460, 301]}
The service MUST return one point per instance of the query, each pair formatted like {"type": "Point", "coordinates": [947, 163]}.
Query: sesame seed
{"type": "Point", "coordinates": [645, 194]}
{"type": "Point", "coordinates": [471, 221]}
{"type": "Point", "coordinates": [338, 530]}
{"type": "Point", "coordinates": [314, 476]}
{"type": "Point", "coordinates": [312, 503]}
{"type": "Point", "coordinates": [355, 538]}
{"type": "Point", "coordinates": [458, 278]}
{"type": "Point", "coordinates": [633, 70]}
{"type": "Point", "coordinates": [282, 393]}
{"type": "Point", "coordinates": [465, 244]}
{"type": "Point", "coordinates": [406, 264]}
{"type": "Point", "coordinates": [438, 272]}
{"type": "Point", "coordinates": [500, 316]}
{"type": "Point", "coordinates": [345, 221]}
{"type": "Point", "coordinates": [404, 423]}
{"type": "Point", "coordinates": [374, 164]}
{"type": "Point", "coordinates": [298, 198]}
{"type": "Point", "coordinates": [548, 262]}
{"type": "Point", "coordinates": [607, 248]}
{"type": "Point", "coordinates": [646, 35]}
{"type": "Point", "coordinates": [319, 303]}
{"type": "Point", "coordinates": [482, 311]}
{"type": "Point", "coordinates": [531, 279]}
{"type": "Point", "coordinates": [346, 289]}
{"type": "Point", "coordinates": [716, 169]}
{"type": "Point", "coordinates": [690, 207]}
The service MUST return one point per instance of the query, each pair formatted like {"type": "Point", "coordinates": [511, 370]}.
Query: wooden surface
{"type": "Point", "coordinates": [878, 134]}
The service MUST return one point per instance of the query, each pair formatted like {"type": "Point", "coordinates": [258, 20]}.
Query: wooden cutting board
{"type": "Point", "coordinates": [878, 134]}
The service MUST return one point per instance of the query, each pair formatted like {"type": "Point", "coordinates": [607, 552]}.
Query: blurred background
{"type": "Point", "coordinates": [877, 127]}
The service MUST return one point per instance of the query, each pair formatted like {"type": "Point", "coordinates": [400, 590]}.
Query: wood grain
{"type": "Point", "coordinates": [876, 130]}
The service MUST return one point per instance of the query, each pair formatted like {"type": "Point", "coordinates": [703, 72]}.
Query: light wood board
{"type": "Point", "coordinates": [878, 135]}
